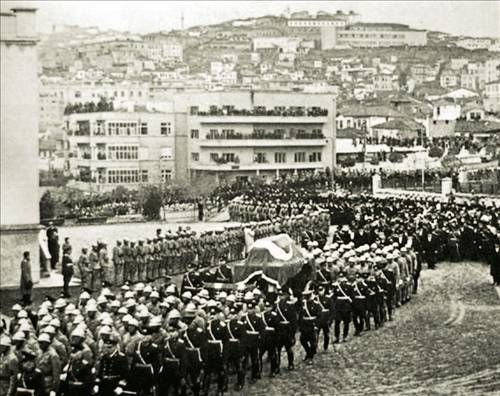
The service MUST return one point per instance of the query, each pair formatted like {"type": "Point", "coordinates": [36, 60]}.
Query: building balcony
{"type": "Point", "coordinates": [262, 142]}
{"type": "Point", "coordinates": [268, 166]}
{"type": "Point", "coordinates": [261, 119]}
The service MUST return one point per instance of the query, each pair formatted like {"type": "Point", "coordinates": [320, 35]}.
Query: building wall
{"type": "Point", "coordinates": [381, 38]}
{"type": "Point", "coordinates": [247, 149]}
{"type": "Point", "coordinates": [155, 152]}
{"type": "Point", "coordinates": [19, 145]}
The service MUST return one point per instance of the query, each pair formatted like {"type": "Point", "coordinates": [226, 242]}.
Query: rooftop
{"type": "Point", "coordinates": [400, 124]}
{"type": "Point", "coordinates": [463, 126]}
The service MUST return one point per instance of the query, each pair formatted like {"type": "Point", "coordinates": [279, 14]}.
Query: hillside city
{"type": "Point", "coordinates": [191, 98]}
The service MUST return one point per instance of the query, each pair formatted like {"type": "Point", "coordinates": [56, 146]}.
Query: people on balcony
{"type": "Point", "coordinates": [262, 111]}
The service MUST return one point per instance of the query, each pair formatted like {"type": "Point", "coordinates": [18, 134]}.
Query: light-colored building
{"type": "Point", "coordinates": [474, 43]}
{"type": "Point", "coordinates": [380, 35]}
{"type": "Point", "coordinates": [492, 96]}
{"type": "Point", "coordinates": [284, 44]}
{"type": "Point", "coordinates": [129, 148]}
{"type": "Point", "coordinates": [385, 82]}
{"type": "Point", "coordinates": [258, 134]}
{"type": "Point", "coordinates": [448, 79]}
{"type": "Point", "coordinates": [20, 219]}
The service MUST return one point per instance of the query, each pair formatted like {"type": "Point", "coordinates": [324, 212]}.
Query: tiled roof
{"type": "Point", "coordinates": [350, 133]}
{"type": "Point", "coordinates": [369, 111]}
{"type": "Point", "coordinates": [477, 126]}
{"type": "Point", "coordinates": [400, 124]}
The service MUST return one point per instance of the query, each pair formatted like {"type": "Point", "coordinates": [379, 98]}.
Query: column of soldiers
{"type": "Point", "coordinates": [151, 341]}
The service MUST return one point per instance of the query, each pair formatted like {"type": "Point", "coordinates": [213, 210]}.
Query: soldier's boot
{"type": "Point", "coordinates": [326, 339]}
{"type": "Point", "coordinates": [290, 357]}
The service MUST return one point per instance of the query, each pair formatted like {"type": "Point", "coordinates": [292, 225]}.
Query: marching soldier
{"type": "Point", "coordinates": [77, 378]}
{"type": "Point", "coordinates": [145, 366]}
{"type": "Point", "coordinates": [287, 326]}
{"type": "Point", "coordinates": [172, 374]}
{"type": "Point", "coordinates": [250, 341]}
{"type": "Point", "coordinates": [359, 305]}
{"type": "Point", "coordinates": [30, 379]}
{"type": "Point", "coordinates": [342, 295]}
{"type": "Point", "coordinates": [111, 369]}
{"type": "Point", "coordinates": [9, 367]}
{"type": "Point", "coordinates": [268, 339]}
{"type": "Point", "coordinates": [308, 318]}
{"type": "Point", "coordinates": [233, 350]}
{"type": "Point", "coordinates": [325, 315]}
{"type": "Point", "coordinates": [195, 340]}
{"type": "Point", "coordinates": [49, 363]}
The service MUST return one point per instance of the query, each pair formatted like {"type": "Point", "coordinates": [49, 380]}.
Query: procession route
{"type": "Point", "coordinates": [444, 342]}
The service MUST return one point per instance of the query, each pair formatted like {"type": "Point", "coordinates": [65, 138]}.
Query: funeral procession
{"type": "Point", "coordinates": [250, 198]}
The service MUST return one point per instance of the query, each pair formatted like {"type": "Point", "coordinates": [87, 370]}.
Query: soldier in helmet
{"type": "Point", "coordinates": [145, 366]}
{"type": "Point", "coordinates": [49, 363]}
{"type": "Point", "coordinates": [77, 378]}
{"type": "Point", "coordinates": [9, 367]}
{"type": "Point", "coordinates": [30, 377]}
{"type": "Point", "coordinates": [250, 341]}
{"type": "Point", "coordinates": [118, 262]}
{"type": "Point", "coordinates": [195, 339]}
{"type": "Point", "coordinates": [141, 261]}
{"type": "Point", "coordinates": [172, 375]}
{"type": "Point", "coordinates": [127, 260]}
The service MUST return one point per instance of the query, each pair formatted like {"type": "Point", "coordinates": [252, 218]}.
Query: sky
{"type": "Point", "coordinates": [470, 18]}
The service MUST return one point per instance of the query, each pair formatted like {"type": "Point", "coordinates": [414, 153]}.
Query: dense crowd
{"type": "Point", "coordinates": [152, 338]}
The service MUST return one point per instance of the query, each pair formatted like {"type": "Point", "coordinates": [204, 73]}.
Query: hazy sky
{"type": "Point", "coordinates": [472, 18]}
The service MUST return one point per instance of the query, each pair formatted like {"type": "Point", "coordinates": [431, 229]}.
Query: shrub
{"type": "Point", "coordinates": [395, 157]}
{"type": "Point", "coordinates": [152, 204]}
{"type": "Point", "coordinates": [435, 152]}
{"type": "Point", "coordinates": [47, 206]}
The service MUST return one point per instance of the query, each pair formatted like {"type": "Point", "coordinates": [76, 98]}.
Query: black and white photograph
{"type": "Point", "coordinates": [249, 198]}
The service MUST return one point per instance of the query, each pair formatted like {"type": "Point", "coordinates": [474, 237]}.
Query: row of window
{"type": "Point", "coordinates": [128, 128]}
{"type": "Point", "coordinates": [278, 133]}
{"type": "Point", "coordinates": [123, 152]}
{"type": "Point", "coordinates": [118, 176]}
{"type": "Point", "coordinates": [372, 35]}
{"type": "Point", "coordinates": [261, 158]}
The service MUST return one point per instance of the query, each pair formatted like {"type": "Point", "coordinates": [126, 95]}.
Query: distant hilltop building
{"type": "Point", "coordinates": [345, 29]}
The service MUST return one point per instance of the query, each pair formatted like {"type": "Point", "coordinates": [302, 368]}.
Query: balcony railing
{"type": "Point", "coordinates": [265, 135]}
{"type": "Point", "coordinates": [263, 112]}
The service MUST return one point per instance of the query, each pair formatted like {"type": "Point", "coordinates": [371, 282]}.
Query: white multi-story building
{"type": "Point", "coordinates": [19, 219]}
{"type": "Point", "coordinates": [285, 44]}
{"type": "Point", "coordinates": [492, 96]}
{"type": "Point", "coordinates": [474, 43]}
{"type": "Point", "coordinates": [265, 134]}
{"type": "Point", "coordinates": [127, 147]}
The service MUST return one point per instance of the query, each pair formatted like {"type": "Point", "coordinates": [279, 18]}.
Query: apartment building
{"type": "Point", "coordinates": [258, 134]}
{"type": "Point", "coordinates": [127, 147]}
{"type": "Point", "coordinates": [380, 35]}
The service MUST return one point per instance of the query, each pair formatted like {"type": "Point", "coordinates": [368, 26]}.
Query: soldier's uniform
{"type": "Point", "coordinates": [325, 317]}
{"type": "Point", "coordinates": [141, 262]}
{"type": "Point", "coordinates": [342, 297]}
{"type": "Point", "coordinates": [77, 378]}
{"type": "Point", "coordinates": [112, 372]}
{"type": "Point", "coordinates": [172, 375]}
{"type": "Point", "coordinates": [118, 262]}
{"type": "Point", "coordinates": [49, 363]}
{"type": "Point", "coordinates": [286, 328]}
{"type": "Point", "coordinates": [195, 340]}
{"type": "Point", "coordinates": [96, 269]}
{"type": "Point", "coordinates": [85, 271]}
{"type": "Point", "coordinates": [250, 341]}
{"type": "Point", "coordinates": [127, 260]}
{"type": "Point", "coordinates": [269, 340]}
{"type": "Point", "coordinates": [233, 350]}
{"type": "Point", "coordinates": [308, 321]}
{"type": "Point", "coordinates": [146, 363]}
{"type": "Point", "coordinates": [9, 368]}
{"type": "Point", "coordinates": [359, 305]}
{"type": "Point", "coordinates": [213, 355]}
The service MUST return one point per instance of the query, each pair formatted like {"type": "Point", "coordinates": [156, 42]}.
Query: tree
{"type": "Point", "coordinates": [396, 157]}
{"type": "Point", "coordinates": [47, 206]}
{"type": "Point", "coordinates": [435, 152]}
{"type": "Point", "coordinates": [152, 204]}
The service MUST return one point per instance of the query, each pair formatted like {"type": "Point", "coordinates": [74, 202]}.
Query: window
{"type": "Point", "coordinates": [280, 158]}
{"type": "Point", "coordinates": [166, 153]}
{"type": "Point", "coordinates": [214, 133]}
{"type": "Point", "coordinates": [341, 124]}
{"type": "Point", "coordinates": [194, 110]}
{"type": "Point", "coordinates": [120, 176]}
{"type": "Point", "coordinates": [166, 175]}
{"type": "Point", "coordinates": [300, 157]}
{"type": "Point", "coordinates": [438, 110]}
{"type": "Point", "coordinates": [144, 175]}
{"type": "Point", "coordinates": [214, 157]}
{"type": "Point", "coordinates": [122, 128]}
{"type": "Point", "coordinates": [165, 128]}
{"type": "Point", "coordinates": [144, 128]}
{"type": "Point", "coordinates": [228, 157]}
{"type": "Point", "coordinates": [195, 134]}
{"type": "Point", "coordinates": [195, 157]}
{"type": "Point", "coordinates": [126, 153]}
{"type": "Point", "coordinates": [260, 158]}
{"type": "Point", "coordinates": [315, 157]}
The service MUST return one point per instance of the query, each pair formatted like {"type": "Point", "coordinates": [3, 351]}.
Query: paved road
{"type": "Point", "coordinates": [446, 342]}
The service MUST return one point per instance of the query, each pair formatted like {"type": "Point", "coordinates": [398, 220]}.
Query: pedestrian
{"type": "Point", "coordinates": [53, 244]}
{"type": "Point", "coordinates": [26, 279]}
{"type": "Point", "coordinates": [67, 272]}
